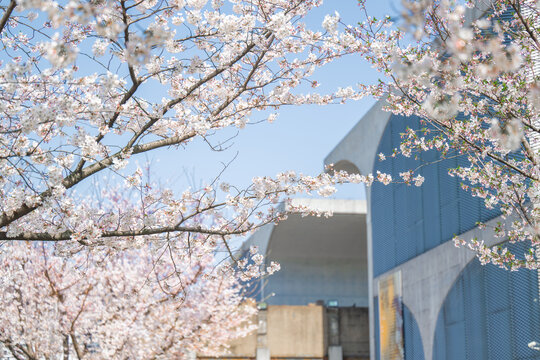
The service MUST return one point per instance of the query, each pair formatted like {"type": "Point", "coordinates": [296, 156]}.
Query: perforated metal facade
{"type": "Point", "coordinates": [490, 313]}
{"type": "Point", "coordinates": [413, 340]}
{"type": "Point", "coordinates": [409, 220]}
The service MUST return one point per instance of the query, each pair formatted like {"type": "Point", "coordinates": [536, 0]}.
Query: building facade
{"type": "Point", "coordinates": [448, 305]}
{"type": "Point", "coordinates": [316, 306]}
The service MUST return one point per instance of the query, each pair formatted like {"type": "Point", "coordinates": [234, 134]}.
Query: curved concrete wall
{"type": "Point", "coordinates": [321, 258]}
{"type": "Point", "coordinates": [489, 313]}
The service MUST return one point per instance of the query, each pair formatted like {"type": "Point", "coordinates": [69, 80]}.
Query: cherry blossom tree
{"type": "Point", "coordinates": [79, 100]}
{"type": "Point", "coordinates": [87, 88]}
{"type": "Point", "coordinates": [470, 70]}
{"type": "Point", "coordinates": [128, 304]}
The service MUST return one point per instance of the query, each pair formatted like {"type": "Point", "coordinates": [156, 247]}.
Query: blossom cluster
{"type": "Point", "coordinates": [471, 73]}
{"type": "Point", "coordinates": [167, 301]}
{"type": "Point", "coordinates": [76, 105]}
{"type": "Point", "coordinates": [86, 89]}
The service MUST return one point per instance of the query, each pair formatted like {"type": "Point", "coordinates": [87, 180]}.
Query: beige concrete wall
{"type": "Point", "coordinates": [291, 331]}
{"type": "Point", "coordinates": [244, 347]}
{"type": "Point", "coordinates": [296, 331]}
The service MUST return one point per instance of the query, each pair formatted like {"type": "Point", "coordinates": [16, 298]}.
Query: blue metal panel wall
{"type": "Point", "coordinates": [413, 340]}
{"type": "Point", "coordinates": [382, 207]}
{"type": "Point", "coordinates": [407, 220]}
{"type": "Point", "coordinates": [490, 313]}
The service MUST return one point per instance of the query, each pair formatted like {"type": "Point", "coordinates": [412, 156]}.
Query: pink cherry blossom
{"type": "Point", "coordinates": [474, 84]}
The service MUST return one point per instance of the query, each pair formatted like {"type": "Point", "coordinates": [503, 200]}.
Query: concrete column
{"type": "Point", "coordinates": [371, 310]}
{"type": "Point", "coordinates": [332, 315]}
{"type": "Point", "coordinates": [335, 351]}
{"type": "Point", "coordinates": [263, 353]}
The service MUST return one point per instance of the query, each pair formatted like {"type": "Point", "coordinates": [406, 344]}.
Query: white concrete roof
{"type": "Point", "coordinates": [336, 206]}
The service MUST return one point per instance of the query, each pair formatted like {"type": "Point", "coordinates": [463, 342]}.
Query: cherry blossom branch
{"type": "Point", "coordinates": [120, 233]}
{"type": "Point", "coordinates": [7, 14]}
{"type": "Point", "coordinates": [525, 24]}
{"type": "Point", "coordinates": [448, 131]}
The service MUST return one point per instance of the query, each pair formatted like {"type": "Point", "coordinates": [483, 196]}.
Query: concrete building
{"type": "Point", "coordinates": [316, 306]}
{"type": "Point", "coordinates": [392, 258]}
{"type": "Point", "coordinates": [426, 299]}
{"type": "Point", "coordinates": [305, 332]}
{"type": "Point", "coordinates": [445, 305]}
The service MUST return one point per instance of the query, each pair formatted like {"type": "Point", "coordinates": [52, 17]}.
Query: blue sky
{"type": "Point", "coordinates": [298, 140]}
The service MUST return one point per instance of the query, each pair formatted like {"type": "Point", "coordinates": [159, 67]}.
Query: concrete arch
{"type": "Point", "coordinates": [346, 165]}
{"type": "Point", "coordinates": [428, 278]}
{"type": "Point", "coordinates": [359, 146]}
{"type": "Point", "coordinates": [358, 151]}
{"type": "Point", "coordinates": [476, 304]}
